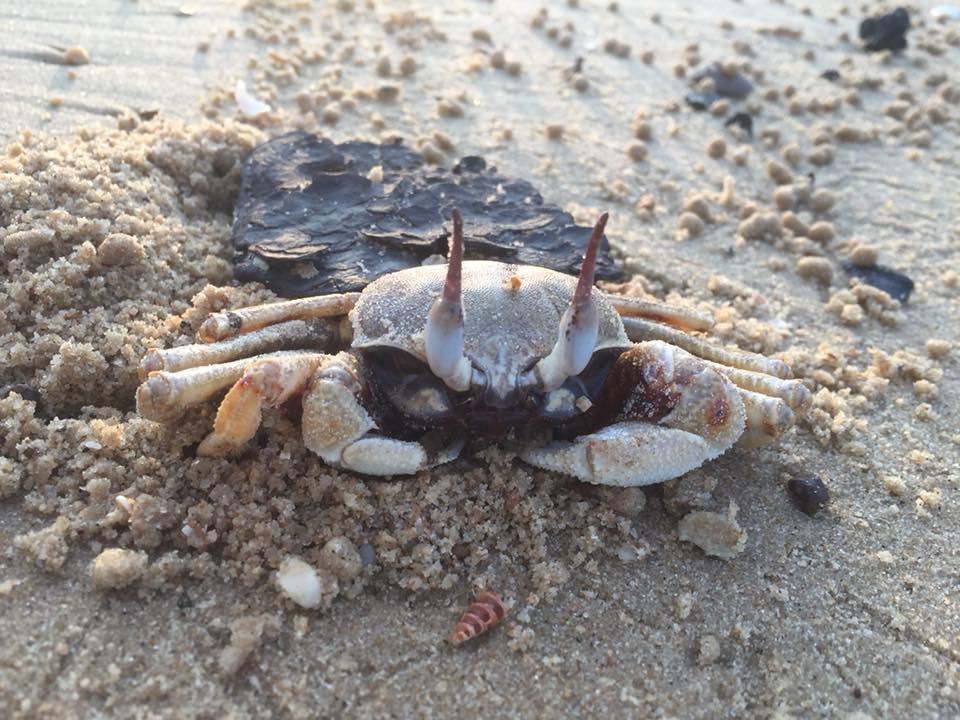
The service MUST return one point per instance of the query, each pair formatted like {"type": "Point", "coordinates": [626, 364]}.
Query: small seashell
{"type": "Point", "coordinates": [248, 103]}
{"type": "Point", "coordinates": [486, 610]}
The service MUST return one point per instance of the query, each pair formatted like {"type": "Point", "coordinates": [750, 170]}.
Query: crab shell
{"type": "Point", "coordinates": [511, 313]}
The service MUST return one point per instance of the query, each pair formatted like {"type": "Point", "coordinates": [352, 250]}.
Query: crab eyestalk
{"type": "Point", "coordinates": [579, 325]}
{"type": "Point", "coordinates": [444, 331]}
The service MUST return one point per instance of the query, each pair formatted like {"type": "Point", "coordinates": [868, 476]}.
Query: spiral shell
{"type": "Point", "coordinates": [486, 610]}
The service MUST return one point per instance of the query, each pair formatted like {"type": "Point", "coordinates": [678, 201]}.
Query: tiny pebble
{"type": "Point", "coordinates": [809, 493]}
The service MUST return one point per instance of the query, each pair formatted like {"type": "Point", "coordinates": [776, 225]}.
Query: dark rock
{"type": "Point", "coordinates": [701, 101]}
{"type": "Point", "coordinates": [809, 493]}
{"type": "Point", "coordinates": [831, 75]}
{"type": "Point", "coordinates": [734, 85]}
{"type": "Point", "coordinates": [886, 32]}
{"type": "Point", "coordinates": [742, 120]}
{"type": "Point", "coordinates": [23, 390]}
{"type": "Point", "coordinates": [308, 221]}
{"type": "Point", "coordinates": [893, 283]}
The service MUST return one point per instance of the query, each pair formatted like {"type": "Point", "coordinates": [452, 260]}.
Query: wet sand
{"type": "Point", "coordinates": [115, 240]}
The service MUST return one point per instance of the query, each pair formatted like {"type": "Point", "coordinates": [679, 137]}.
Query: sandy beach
{"type": "Point", "coordinates": [138, 579]}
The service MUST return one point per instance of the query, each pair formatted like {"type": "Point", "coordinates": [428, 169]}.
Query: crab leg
{"type": "Point", "coordinates": [640, 330]}
{"type": "Point", "coordinates": [269, 381]}
{"type": "Point", "coordinates": [339, 429]}
{"type": "Point", "coordinates": [767, 418]}
{"type": "Point", "coordinates": [683, 318]}
{"type": "Point", "coordinates": [321, 334]}
{"type": "Point", "coordinates": [164, 394]}
{"type": "Point", "coordinates": [793, 392]}
{"type": "Point", "coordinates": [236, 322]}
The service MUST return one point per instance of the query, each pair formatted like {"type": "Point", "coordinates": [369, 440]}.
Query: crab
{"type": "Point", "coordinates": [394, 380]}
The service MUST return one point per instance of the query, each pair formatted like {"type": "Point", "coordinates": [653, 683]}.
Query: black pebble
{"type": "Point", "coordinates": [742, 120]}
{"type": "Point", "coordinates": [831, 75]}
{"type": "Point", "coordinates": [893, 283]}
{"type": "Point", "coordinates": [886, 32]}
{"type": "Point", "coordinates": [701, 101]}
{"type": "Point", "coordinates": [810, 494]}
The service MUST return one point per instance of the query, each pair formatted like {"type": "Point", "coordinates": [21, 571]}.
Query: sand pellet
{"type": "Point", "coordinates": [815, 268]}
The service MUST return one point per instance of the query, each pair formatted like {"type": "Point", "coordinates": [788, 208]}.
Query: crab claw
{"type": "Point", "coordinates": [444, 330]}
{"type": "Point", "coordinates": [579, 325]}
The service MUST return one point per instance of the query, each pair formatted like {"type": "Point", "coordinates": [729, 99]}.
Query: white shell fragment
{"type": "Point", "coordinates": [945, 12]}
{"type": "Point", "coordinates": [717, 534]}
{"type": "Point", "coordinates": [299, 582]}
{"type": "Point", "coordinates": [303, 584]}
{"type": "Point", "coordinates": [249, 104]}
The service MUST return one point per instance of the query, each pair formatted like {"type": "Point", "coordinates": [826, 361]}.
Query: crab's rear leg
{"type": "Point", "coordinates": [664, 413]}
{"type": "Point", "coordinates": [228, 323]}
{"type": "Point", "coordinates": [320, 334]}
{"type": "Point", "coordinates": [683, 318]}
{"type": "Point", "coordinates": [339, 428]}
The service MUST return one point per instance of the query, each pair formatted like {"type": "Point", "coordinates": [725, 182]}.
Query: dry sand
{"type": "Point", "coordinates": [115, 239]}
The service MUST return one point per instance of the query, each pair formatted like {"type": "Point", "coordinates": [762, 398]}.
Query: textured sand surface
{"type": "Point", "coordinates": [138, 580]}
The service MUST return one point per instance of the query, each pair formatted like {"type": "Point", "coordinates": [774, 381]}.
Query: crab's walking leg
{"type": "Point", "coordinates": [683, 318]}
{"type": "Point", "coordinates": [165, 394]}
{"type": "Point", "coordinates": [338, 427]}
{"type": "Point", "coordinates": [767, 419]}
{"type": "Point", "coordinates": [268, 381]}
{"type": "Point", "coordinates": [320, 334]}
{"type": "Point", "coordinates": [670, 413]}
{"type": "Point", "coordinates": [236, 322]}
{"type": "Point", "coordinates": [640, 330]}
{"type": "Point", "coordinates": [770, 398]}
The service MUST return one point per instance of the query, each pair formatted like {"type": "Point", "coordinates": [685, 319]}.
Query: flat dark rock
{"type": "Point", "coordinates": [308, 221]}
{"type": "Point", "coordinates": [893, 283]}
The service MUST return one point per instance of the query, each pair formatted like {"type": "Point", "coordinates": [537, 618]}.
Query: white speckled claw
{"type": "Point", "coordinates": [625, 454]}
{"type": "Point", "coordinates": [704, 418]}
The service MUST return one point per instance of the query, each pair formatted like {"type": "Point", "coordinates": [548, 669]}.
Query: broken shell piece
{"type": "Point", "coordinates": [249, 104]}
{"type": "Point", "coordinates": [301, 583]}
{"type": "Point", "coordinates": [717, 534]}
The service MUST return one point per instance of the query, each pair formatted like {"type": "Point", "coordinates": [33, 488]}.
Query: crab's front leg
{"type": "Point", "coordinates": [339, 428]}
{"type": "Point", "coordinates": [662, 412]}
